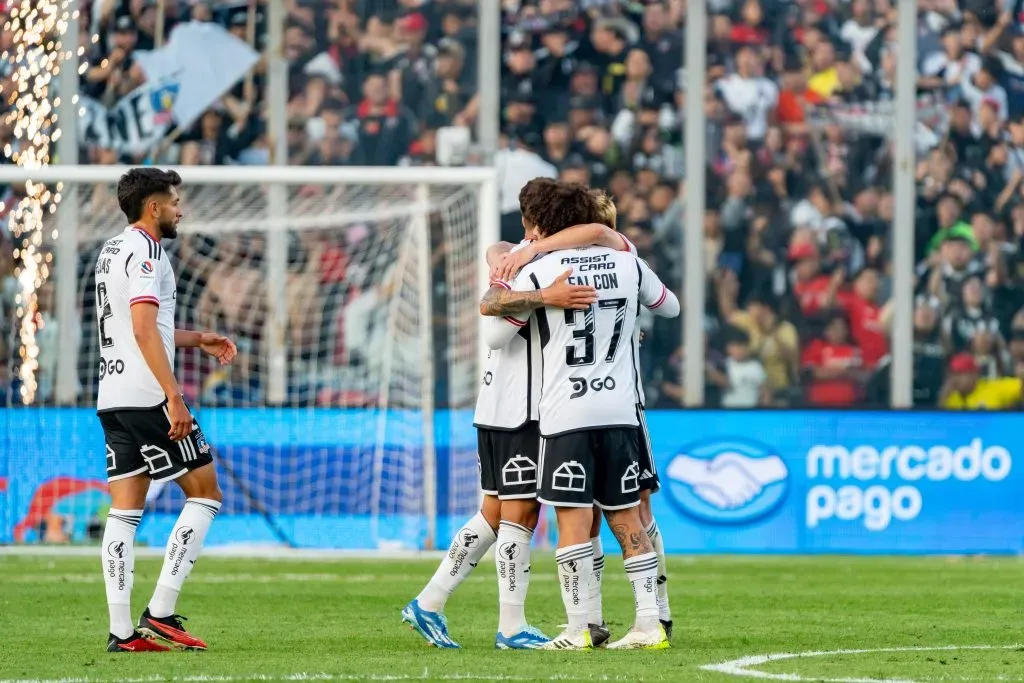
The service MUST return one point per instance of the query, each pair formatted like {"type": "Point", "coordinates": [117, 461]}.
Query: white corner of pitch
{"type": "Point", "coordinates": [742, 666]}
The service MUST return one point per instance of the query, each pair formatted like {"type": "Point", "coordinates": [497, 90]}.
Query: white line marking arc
{"type": "Point", "coordinates": [741, 666]}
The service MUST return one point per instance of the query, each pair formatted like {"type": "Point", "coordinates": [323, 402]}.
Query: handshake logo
{"type": "Point", "coordinates": [727, 482]}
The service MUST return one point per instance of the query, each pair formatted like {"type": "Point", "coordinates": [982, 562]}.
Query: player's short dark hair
{"type": "Point", "coordinates": [532, 195]}
{"type": "Point", "coordinates": [139, 184]}
{"type": "Point", "coordinates": [563, 206]}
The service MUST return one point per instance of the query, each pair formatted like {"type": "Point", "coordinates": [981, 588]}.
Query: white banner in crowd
{"type": "Point", "coordinates": [200, 62]}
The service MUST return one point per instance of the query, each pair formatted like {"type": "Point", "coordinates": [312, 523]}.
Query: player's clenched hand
{"type": "Point", "coordinates": [218, 346]}
{"type": "Point", "coordinates": [562, 294]}
{"type": "Point", "coordinates": [512, 262]}
{"type": "Point", "coordinates": [181, 419]}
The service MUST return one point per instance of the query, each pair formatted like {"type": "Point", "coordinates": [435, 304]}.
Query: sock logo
{"type": "Point", "coordinates": [116, 549]}
{"type": "Point", "coordinates": [469, 538]}
{"type": "Point", "coordinates": [185, 535]}
{"type": "Point", "coordinates": [570, 566]}
{"type": "Point", "coordinates": [509, 550]}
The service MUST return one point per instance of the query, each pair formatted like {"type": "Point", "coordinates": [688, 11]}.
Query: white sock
{"type": "Point", "coordinates": [119, 568]}
{"type": "Point", "coordinates": [468, 546]}
{"type": "Point", "coordinates": [512, 560]}
{"type": "Point", "coordinates": [642, 572]}
{"type": "Point", "coordinates": [596, 612]}
{"type": "Point", "coordinates": [183, 548]}
{"type": "Point", "coordinates": [575, 567]}
{"type": "Point", "coordinates": [654, 533]}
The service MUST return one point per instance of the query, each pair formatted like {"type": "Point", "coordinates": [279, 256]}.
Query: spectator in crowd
{"type": "Point", "coordinates": [966, 389]}
{"type": "Point", "coordinates": [799, 165]}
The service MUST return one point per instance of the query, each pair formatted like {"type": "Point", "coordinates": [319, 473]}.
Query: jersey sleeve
{"type": "Point", "coordinates": [627, 245]}
{"type": "Point", "coordinates": [654, 294]}
{"type": "Point", "coordinates": [143, 280]}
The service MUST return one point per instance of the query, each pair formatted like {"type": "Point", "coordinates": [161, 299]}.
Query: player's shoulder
{"type": "Point", "coordinates": [143, 245]}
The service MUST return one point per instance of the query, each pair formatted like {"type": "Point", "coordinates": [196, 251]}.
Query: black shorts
{"type": "Point", "coordinates": [508, 461]}
{"type": "Point", "coordinates": [591, 467]}
{"type": "Point", "coordinates": [649, 480]}
{"type": "Point", "coordinates": [137, 443]}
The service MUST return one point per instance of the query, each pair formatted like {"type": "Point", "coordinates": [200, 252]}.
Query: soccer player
{"type": "Point", "coordinates": [508, 448]}
{"type": "Point", "coordinates": [588, 421]}
{"type": "Point", "coordinates": [510, 264]}
{"type": "Point", "coordinates": [150, 433]}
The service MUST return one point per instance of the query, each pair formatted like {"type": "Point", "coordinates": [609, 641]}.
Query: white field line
{"type": "Point", "coordinates": [262, 552]}
{"type": "Point", "coordinates": [425, 676]}
{"type": "Point", "coordinates": [200, 577]}
{"type": "Point", "coordinates": [742, 666]}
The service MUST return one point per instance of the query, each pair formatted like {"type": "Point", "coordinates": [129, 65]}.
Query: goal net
{"type": "Point", "coordinates": [345, 421]}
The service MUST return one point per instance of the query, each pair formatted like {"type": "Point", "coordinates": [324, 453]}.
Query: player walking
{"type": "Point", "coordinates": [588, 419]}
{"type": "Point", "coordinates": [150, 433]}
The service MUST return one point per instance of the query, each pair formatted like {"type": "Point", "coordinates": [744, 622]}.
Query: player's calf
{"type": "Point", "coordinates": [512, 561]}
{"type": "Point", "coordinates": [425, 614]}
{"type": "Point", "coordinates": [641, 564]}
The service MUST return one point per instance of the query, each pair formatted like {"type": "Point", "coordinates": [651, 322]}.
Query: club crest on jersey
{"type": "Point", "coordinates": [147, 268]}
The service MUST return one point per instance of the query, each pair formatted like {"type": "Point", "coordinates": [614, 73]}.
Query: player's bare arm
{"type": "Point", "coordinates": [590, 234]}
{"type": "Point", "coordinates": [147, 335]}
{"type": "Point", "coordinates": [211, 343]}
{"type": "Point", "coordinates": [500, 301]}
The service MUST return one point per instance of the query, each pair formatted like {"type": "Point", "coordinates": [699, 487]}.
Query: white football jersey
{"type": "Point", "coordinates": [591, 371]}
{"type": "Point", "coordinates": [509, 395]}
{"type": "Point", "coordinates": [131, 269]}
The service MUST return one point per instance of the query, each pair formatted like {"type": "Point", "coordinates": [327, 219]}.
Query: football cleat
{"type": "Point", "coordinates": [530, 638]}
{"type": "Point", "coordinates": [433, 626]}
{"type": "Point", "coordinates": [170, 629]}
{"type": "Point", "coordinates": [639, 640]}
{"type": "Point", "coordinates": [667, 625]}
{"type": "Point", "coordinates": [600, 635]}
{"type": "Point", "coordinates": [134, 643]}
{"type": "Point", "coordinates": [578, 639]}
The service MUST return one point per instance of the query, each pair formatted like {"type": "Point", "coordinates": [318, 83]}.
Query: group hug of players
{"type": "Point", "coordinates": [560, 422]}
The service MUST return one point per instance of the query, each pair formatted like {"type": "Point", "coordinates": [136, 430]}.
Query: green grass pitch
{"type": "Point", "coordinates": [339, 620]}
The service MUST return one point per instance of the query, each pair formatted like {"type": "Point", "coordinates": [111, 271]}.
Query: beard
{"type": "Point", "coordinates": [168, 229]}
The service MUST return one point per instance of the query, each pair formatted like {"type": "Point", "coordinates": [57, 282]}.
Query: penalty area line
{"type": "Point", "coordinates": [742, 666]}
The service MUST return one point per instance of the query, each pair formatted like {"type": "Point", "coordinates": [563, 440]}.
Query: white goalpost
{"type": "Point", "coordinates": [346, 420]}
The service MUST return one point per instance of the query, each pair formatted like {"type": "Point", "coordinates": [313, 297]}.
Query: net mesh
{"type": "Point", "coordinates": [380, 294]}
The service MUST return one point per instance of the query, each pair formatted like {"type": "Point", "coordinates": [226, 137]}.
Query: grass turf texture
{"type": "Point", "coordinates": [271, 620]}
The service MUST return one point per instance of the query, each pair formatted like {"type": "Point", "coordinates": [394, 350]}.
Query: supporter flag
{"type": "Point", "coordinates": [205, 60]}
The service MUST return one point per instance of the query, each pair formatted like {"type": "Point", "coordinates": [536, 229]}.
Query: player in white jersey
{"type": "Point", "coordinates": [589, 422]}
{"type": "Point", "coordinates": [150, 433]}
{"type": "Point", "coordinates": [509, 267]}
{"type": "Point", "coordinates": [508, 440]}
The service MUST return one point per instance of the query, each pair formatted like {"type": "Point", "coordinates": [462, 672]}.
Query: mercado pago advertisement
{"type": "Point", "coordinates": [731, 481]}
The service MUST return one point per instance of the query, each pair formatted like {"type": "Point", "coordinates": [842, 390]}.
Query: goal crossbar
{"type": "Point", "coordinates": [253, 175]}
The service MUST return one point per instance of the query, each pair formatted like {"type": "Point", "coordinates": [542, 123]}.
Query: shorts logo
{"type": "Point", "coordinates": [116, 549]}
{"type": "Point", "coordinates": [519, 471]}
{"type": "Point", "coordinates": [509, 551]}
{"type": "Point", "coordinates": [469, 538]}
{"type": "Point", "coordinates": [204, 446]}
{"type": "Point", "coordinates": [185, 535]}
{"type": "Point", "coordinates": [147, 268]}
{"type": "Point", "coordinates": [631, 479]}
{"type": "Point", "coordinates": [111, 459]}
{"type": "Point", "coordinates": [569, 476]}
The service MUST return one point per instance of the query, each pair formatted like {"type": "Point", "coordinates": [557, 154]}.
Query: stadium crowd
{"type": "Point", "coordinates": [799, 170]}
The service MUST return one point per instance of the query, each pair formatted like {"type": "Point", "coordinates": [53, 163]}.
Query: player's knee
{"type": "Point", "coordinates": [646, 515]}
{"type": "Point", "coordinates": [595, 526]}
{"type": "Point", "coordinates": [524, 512]}
{"type": "Point", "coordinates": [490, 510]}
